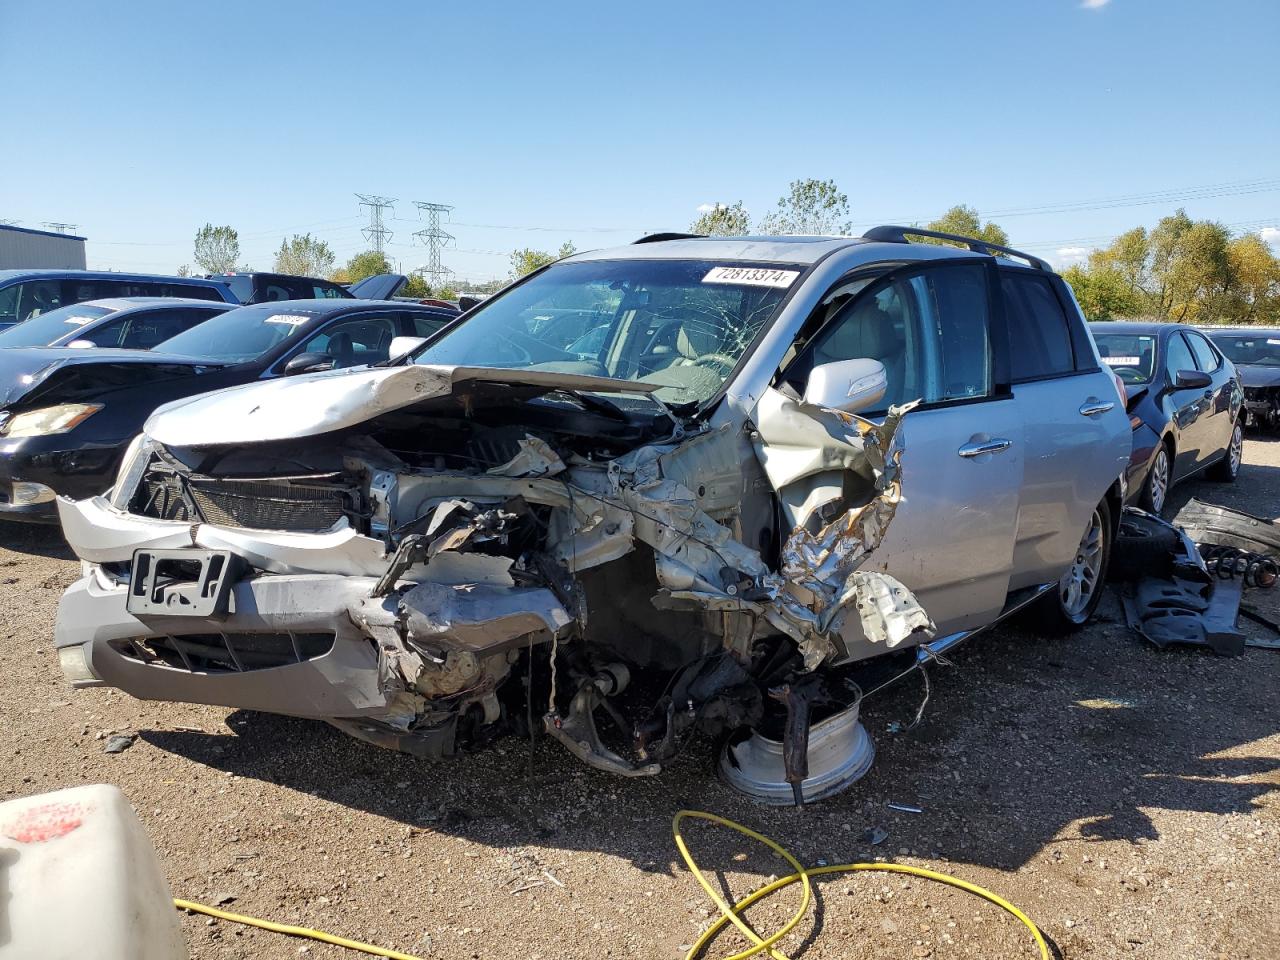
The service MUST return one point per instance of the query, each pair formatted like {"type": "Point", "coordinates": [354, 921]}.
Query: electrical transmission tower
{"type": "Point", "coordinates": [61, 227]}
{"type": "Point", "coordinates": [376, 232]}
{"type": "Point", "coordinates": [435, 239]}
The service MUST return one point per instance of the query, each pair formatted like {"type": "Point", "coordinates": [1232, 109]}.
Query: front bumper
{"type": "Point", "coordinates": [342, 682]}
{"type": "Point", "coordinates": [56, 462]}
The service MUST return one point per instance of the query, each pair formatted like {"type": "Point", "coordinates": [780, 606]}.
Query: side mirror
{"type": "Point", "coordinates": [402, 345]}
{"type": "Point", "coordinates": [308, 363]}
{"type": "Point", "coordinates": [848, 385]}
{"type": "Point", "coordinates": [1192, 380]}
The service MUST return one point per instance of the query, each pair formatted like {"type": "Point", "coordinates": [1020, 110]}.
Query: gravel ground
{"type": "Point", "coordinates": [1125, 797]}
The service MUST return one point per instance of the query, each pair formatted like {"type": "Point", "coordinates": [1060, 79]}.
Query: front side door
{"type": "Point", "coordinates": [951, 540]}
{"type": "Point", "coordinates": [1188, 407]}
{"type": "Point", "coordinates": [1218, 418]}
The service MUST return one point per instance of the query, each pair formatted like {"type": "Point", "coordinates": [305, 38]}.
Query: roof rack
{"type": "Point", "coordinates": [890, 234]}
{"type": "Point", "coordinates": [659, 237]}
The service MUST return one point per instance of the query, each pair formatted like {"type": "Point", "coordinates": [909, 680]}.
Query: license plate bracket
{"type": "Point", "coordinates": [182, 583]}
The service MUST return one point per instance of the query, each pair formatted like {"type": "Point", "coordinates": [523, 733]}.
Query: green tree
{"type": "Point", "coordinates": [367, 264]}
{"type": "Point", "coordinates": [1103, 293]}
{"type": "Point", "coordinates": [965, 222]}
{"type": "Point", "coordinates": [722, 220]}
{"type": "Point", "coordinates": [416, 286]}
{"type": "Point", "coordinates": [1253, 290]}
{"type": "Point", "coordinates": [217, 248]}
{"type": "Point", "coordinates": [304, 256]}
{"type": "Point", "coordinates": [811, 207]}
{"type": "Point", "coordinates": [528, 260]}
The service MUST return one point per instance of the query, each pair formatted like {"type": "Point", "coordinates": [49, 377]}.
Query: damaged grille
{"type": "Point", "coordinates": [226, 652]}
{"type": "Point", "coordinates": [283, 504]}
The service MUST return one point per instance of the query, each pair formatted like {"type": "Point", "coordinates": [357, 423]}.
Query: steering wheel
{"type": "Point", "coordinates": [508, 350]}
{"type": "Point", "coordinates": [717, 360]}
{"type": "Point", "coordinates": [1138, 374]}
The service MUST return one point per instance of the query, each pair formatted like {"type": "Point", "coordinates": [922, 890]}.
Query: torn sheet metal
{"type": "Point", "coordinates": [535, 459]}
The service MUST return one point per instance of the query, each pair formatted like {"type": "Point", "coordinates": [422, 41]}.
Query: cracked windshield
{"type": "Point", "coordinates": [679, 324]}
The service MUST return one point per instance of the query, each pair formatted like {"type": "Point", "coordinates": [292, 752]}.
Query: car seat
{"type": "Point", "coordinates": [342, 349]}
{"type": "Point", "coordinates": [867, 332]}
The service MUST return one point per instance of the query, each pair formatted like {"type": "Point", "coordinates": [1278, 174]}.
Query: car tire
{"type": "Point", "coordinates": [1228, 468]}
{"type": "Point", "coordinates": [1155, 488]}
{"type": "Point", "coordinates": [1072, 602]}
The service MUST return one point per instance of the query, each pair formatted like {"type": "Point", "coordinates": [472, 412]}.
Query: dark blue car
{"type": "Point", "coordinates": [1184, 402]}
{"type": "Point", "coordinates": [29, 293]}
{"type": "Point", "coordinates": [1255, 351]}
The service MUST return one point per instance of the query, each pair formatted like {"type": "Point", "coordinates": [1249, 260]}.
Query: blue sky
{"type": "Point", "coordinates": [1067, 122]}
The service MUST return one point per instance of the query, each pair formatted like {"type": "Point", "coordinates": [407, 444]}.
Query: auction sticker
{"type": "Point", "coordinates": [1122, 361]}
{"type": "Point", "coordinates": [292, 319]}
{"type": "Point", "coordinates": [752, 276]}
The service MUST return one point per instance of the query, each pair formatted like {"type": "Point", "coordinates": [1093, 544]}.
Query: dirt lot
{"type": "Point", "coordinates": [1127, 798]}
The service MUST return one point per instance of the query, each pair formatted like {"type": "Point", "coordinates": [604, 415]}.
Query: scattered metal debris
{"type": "Point", "coordinates": [119, 743]}
{"type": "Point", "coordinates": [1183, 592]}
{"type": "Point", "coordinates": [904, 807]}
{"type": "Point", "coordinates": [875, 836]}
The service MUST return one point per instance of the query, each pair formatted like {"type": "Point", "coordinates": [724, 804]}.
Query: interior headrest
{"type": "Point", "coordinates": [867, 332]}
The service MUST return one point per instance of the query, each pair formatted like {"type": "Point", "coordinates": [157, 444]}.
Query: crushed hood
{"type": "Point", "coordinates": [1258, 375]}
{"type": "Point", "coordinates": [64, 374]}
{"type": "Point", "coordinates": [305, 406]}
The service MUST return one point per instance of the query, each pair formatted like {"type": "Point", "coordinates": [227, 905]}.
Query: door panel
{"type": "Point", "coordinates": [1072, 458]}
{"type": "Point", "coordinates": [952, 539]}
{"type": "Point", "coordinates": [1217, 421]}
{"type": "Point", "coordinates": [1187, 407]}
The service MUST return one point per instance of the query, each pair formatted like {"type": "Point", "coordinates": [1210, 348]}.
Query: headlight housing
{"type": "Point", "coordinates": [48, 420]}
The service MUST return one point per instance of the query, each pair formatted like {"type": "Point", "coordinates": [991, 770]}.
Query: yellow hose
{"type": "Point", "coordinates": [730, 914]}
{"type": "Point", "coordinates": [293, 931]}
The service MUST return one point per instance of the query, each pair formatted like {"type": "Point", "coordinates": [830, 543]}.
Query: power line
{"type": "Point", "coordinates": [376, 233]}
{"type": "Point", "coordinates": [435, 239]}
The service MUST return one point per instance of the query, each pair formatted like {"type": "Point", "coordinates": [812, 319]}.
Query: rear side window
{"type": "Point", "coordinates": [1039, 336]}
{"type": "Point", "coordinates": [31, 299]}
{"type": "Point", "coordinates": [328, 291]}
{"type": "Point", "coordinates": [1205, 357]}
{"type": "Point", "coordinates": [424, 324]}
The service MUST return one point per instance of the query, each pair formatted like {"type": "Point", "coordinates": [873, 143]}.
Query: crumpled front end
{"type": "Point", "coordinates": [440, 567]}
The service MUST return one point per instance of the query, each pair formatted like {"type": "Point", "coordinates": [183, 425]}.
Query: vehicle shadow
{"type": "Point", "coordinates": [1026, 742]}
{"type": "Point", "coordinates": [40, 539]}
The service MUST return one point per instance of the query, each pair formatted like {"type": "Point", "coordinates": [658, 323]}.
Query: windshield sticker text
{"type": "Point", "coordinates": [752, 276]}
{"type": "Point", "coordinates": [292, 319]}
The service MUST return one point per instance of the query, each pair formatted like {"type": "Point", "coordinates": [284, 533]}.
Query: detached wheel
{"type": "Point", "coordinates": [1155, 489]}
{"type": "Point", "coordinates": [1069, 606]}
{"type": "Point", "coordinates": [1228, 468]}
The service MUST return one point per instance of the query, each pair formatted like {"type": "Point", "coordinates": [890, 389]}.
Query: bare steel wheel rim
{"type": "Point", "coordinates": [1236, 451]}
{"type": "Point", "coordinates": [1159, 479]}
{"type": "Point", "coordinates": [1080, 583]}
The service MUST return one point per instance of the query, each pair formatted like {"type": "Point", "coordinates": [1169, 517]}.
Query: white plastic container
{"type": "Point", "coordinates": [79, 880]}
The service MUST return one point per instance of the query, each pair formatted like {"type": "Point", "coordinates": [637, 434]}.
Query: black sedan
{"type": "Point", "coordinates": [1255, 351]}
{"type": "Point", "coordinates": [1184, 404]}
{"type": "Point", "coordinates": [67, 415]}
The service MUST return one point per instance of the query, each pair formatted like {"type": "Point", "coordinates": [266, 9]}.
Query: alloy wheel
{"type": "Point", "coordinates": [1159, 482]}
{"type": "Point", "coordinates": [1079, 584]}
{"type": "Point", "coordinates": [1235, 452]}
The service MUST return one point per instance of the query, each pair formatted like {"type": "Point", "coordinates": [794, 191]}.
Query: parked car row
{"type": "Point", "coordinates": [1255, 352]}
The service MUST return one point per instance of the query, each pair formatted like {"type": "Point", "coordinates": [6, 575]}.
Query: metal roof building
{"type": "Point", "coordinates": [22, 248]}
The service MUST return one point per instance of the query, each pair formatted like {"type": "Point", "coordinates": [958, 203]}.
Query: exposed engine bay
{"type": "Point", "coordinates": [514, 557]}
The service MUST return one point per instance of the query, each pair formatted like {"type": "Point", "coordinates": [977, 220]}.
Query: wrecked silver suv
{"type": "Point", "coordinates": [690, 483]}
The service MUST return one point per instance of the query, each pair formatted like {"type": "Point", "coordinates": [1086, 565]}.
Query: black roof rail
{"type": "Point", "coordinates": [659, 237]}
{"type": "Point", "coordinates": [889, 234]}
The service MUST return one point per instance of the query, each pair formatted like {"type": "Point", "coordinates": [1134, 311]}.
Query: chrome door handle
{"type": "Point", "coordinates": [977, 449]}
{"type": "Point", "coordinates": [1091, 408]}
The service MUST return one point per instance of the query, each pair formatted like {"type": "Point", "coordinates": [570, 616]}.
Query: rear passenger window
{"type": "Point", "coordinates": [1205, 357]}
{"type": "Point", "coordinates": [425, 325]}
{"type": "Point", "coordinates": [929, 329]}
{"type": "Point", "coordinates": [1039, 337]}
{"type": "Point", "coordinates": [149, 329]}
